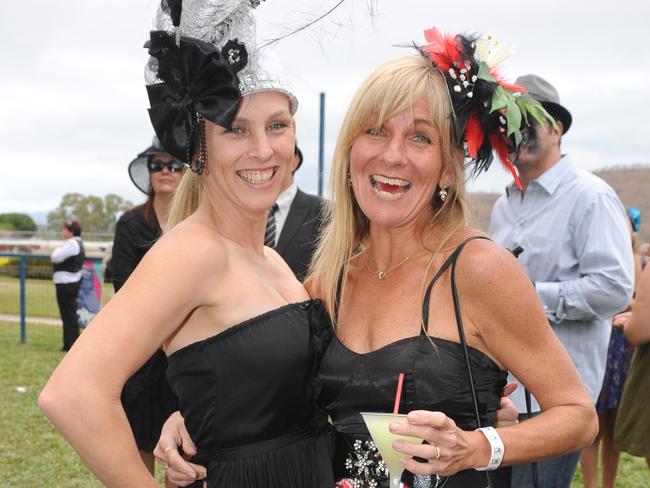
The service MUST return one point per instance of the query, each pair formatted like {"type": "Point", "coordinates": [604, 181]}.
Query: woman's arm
{"type": "Point", "coordinates": [637, 328]}
{"type": "Point", "coordinates": [82, 397]}
{"type": "Point", "coordinates": [500, 305]}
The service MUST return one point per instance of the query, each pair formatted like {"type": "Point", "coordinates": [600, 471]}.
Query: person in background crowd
{"type": "Point", "coordinates": [147, 398]}
{"type": "Point", "coordinates": [619, 358]}
{"type": "Point", "coordinates": [294, 223]}
{"type": "Point", "coordinates": [632, 431]}
{"type": "Point", "coordinates": [106, 266]}
{"type": "Point", "coordinates": [576, 250]}
{"type": "Point", "coordinates": [68, 260]}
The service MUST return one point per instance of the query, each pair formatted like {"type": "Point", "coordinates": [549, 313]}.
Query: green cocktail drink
{"type": "Point", "coordinates": [383, 438]}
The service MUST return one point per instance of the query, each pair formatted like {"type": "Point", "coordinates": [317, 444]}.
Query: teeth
{"type": "Point", "coordinates": [389, 181]}
{"type": "Point", "coordinates": [256, 176]}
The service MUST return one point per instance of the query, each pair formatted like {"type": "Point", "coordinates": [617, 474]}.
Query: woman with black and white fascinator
{"type": "Point", "coordinates": [243, 338]}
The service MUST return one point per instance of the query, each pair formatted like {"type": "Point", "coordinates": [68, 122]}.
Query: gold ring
{"type": "Point", "coordinates": [437, 453]}
{"type": "Point", "coordinates": [168, 448]}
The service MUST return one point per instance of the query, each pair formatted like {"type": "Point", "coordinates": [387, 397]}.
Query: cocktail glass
{"type": "Point", "coordinates": [383, 438]}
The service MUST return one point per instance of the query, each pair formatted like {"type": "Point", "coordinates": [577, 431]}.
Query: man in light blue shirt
{"type": "Point", "coordinates": [576, 250]}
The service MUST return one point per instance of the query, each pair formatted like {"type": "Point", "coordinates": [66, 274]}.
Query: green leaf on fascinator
{"type": "Point", "coordinates": [525, 106]}
{"type": "Point", "coordinates": [500, 99]}
{"type": "Point", "coordinates": [513, 117]}
{"type": "Point", "coordinates": [530, 106]}
{"type": "Point", "coordinates": [544, 116]}
{"type": "Point", "coordinates": [484, 73]}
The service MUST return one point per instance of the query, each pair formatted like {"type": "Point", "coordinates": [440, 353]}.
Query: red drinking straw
{"type": "Point", "coordinates": [398, 393]}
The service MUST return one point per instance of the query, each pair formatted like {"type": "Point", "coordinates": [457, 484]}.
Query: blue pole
{"type": "Point", "coordinates": [23, 310]}
{"type": "Point", "coordinates": [321, 145]}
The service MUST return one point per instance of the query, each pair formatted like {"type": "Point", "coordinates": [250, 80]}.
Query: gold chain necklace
{"type": "Point", "coordinates": [382, 274]}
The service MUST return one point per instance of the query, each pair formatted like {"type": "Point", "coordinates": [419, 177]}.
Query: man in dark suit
{"type": "Point", "coordinates": [294, 223]}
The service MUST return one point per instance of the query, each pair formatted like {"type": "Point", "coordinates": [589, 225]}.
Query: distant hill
{"type": "Point", "coordinates": [632, 183]}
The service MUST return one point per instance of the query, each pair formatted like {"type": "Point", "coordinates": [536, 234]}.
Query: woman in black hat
{"type": "Point", "coordinates": [147, 398]}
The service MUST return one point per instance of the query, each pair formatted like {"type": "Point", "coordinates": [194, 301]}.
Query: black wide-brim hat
{"type": "Point", "coordinates": [138, 171]}
{"type": "Point", "coordinates": [546, 94]}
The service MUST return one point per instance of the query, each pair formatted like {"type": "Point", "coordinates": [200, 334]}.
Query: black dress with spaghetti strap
{"type": "Point", "coordinates": [436, 378]}
{"type": "Point", "coordinates": [248, 399]}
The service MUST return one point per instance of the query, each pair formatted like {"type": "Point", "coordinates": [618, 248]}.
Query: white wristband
{"type": "Point", "coordinates": [496, 448]}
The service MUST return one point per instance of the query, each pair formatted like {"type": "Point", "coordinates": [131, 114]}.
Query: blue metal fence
{"type": "Point", "coordinates": [24, 266]}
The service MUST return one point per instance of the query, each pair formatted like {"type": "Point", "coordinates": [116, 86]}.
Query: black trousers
{"type": "Point", "coordinates": [66, 297]}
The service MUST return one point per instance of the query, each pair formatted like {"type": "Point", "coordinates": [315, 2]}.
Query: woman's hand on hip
{"type": "Point", "coordinates": [507, 415]}
{"type": "Point", "coordinates": [174, 435]}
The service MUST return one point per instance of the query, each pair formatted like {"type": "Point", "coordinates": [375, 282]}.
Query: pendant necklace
{"type": "Point", "coordinates": [382, 274]}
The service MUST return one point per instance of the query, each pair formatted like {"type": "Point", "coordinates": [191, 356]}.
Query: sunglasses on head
{"type": "Point", "coordinates": [174, 166]}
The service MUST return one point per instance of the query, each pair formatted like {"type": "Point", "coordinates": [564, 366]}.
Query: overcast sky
{"type": "Point", "coordinates": [73, 103]}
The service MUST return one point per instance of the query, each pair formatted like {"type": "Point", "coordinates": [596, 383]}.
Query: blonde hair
{"type": "Point", "coordinates": [392, 88]}
{"type": "Point", "coordinates": [186, 199]}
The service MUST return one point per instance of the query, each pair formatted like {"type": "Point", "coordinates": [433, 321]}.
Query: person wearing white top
{"type": "Point", "coordinates": [68, 260]}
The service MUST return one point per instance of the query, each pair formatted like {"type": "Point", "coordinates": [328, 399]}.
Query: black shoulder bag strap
{"type": "Point", "coordinates": [463, 342]}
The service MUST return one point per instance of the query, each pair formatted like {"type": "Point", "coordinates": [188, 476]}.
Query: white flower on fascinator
{"type": "Point", "coordinates": [492, 51]}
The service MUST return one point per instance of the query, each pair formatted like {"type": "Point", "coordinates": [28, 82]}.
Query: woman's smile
{"type": "Point", "coordinates": [389, 187]}
{"type": "Point", "coordinates": [257, 177]}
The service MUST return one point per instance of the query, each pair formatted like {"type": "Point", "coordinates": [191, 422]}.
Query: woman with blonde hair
{"type": "Point", "coordinates": [411, 289]}
{"type": "Point", "coordinates": [241, 334]}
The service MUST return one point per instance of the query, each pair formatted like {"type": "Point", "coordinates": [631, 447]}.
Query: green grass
{"type": "Point", "coordinates": [40, 297]}
{"type": "Point", "coordinates": [32, 452]}
{"type": "Point", "coordinates": [632, 473]}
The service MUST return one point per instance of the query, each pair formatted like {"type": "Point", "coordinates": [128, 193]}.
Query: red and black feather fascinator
{"type": "Point", "coordinates": [490, 115]}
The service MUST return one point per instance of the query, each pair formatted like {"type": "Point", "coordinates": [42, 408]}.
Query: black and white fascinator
{"type": "Point", "coordinates": [204, 58]}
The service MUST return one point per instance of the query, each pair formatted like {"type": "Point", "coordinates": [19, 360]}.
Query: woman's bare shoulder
{"type": "Point", "coordinates": [192, 244]}
{"type": "Point", "coordinates": [485, 264]}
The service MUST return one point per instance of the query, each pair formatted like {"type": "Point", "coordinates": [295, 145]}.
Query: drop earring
{"type": "Point", "coordinates": [443, 193]}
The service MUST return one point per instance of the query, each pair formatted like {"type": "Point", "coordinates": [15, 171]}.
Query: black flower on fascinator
{"type": "Point", "coordinates": [234, 52]}
{"type": "Point", "coordinates": [162, 46]}
{"type": "Point", "coordinates": [196, 79]}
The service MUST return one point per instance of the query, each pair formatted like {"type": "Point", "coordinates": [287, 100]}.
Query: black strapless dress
{"type": "Point", "coordinates": [436, 378]}
{"type": "Point", "coordinates": [248, 399]}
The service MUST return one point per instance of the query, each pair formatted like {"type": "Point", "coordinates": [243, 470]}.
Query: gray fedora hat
{"type": "Point", "coordinates": [545, 93]}
{"type": "Point", "coordinates": [138, 171]}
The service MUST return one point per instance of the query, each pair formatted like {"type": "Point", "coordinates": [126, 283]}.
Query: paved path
{"type": "Point", "coordinates": [6, 317]}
